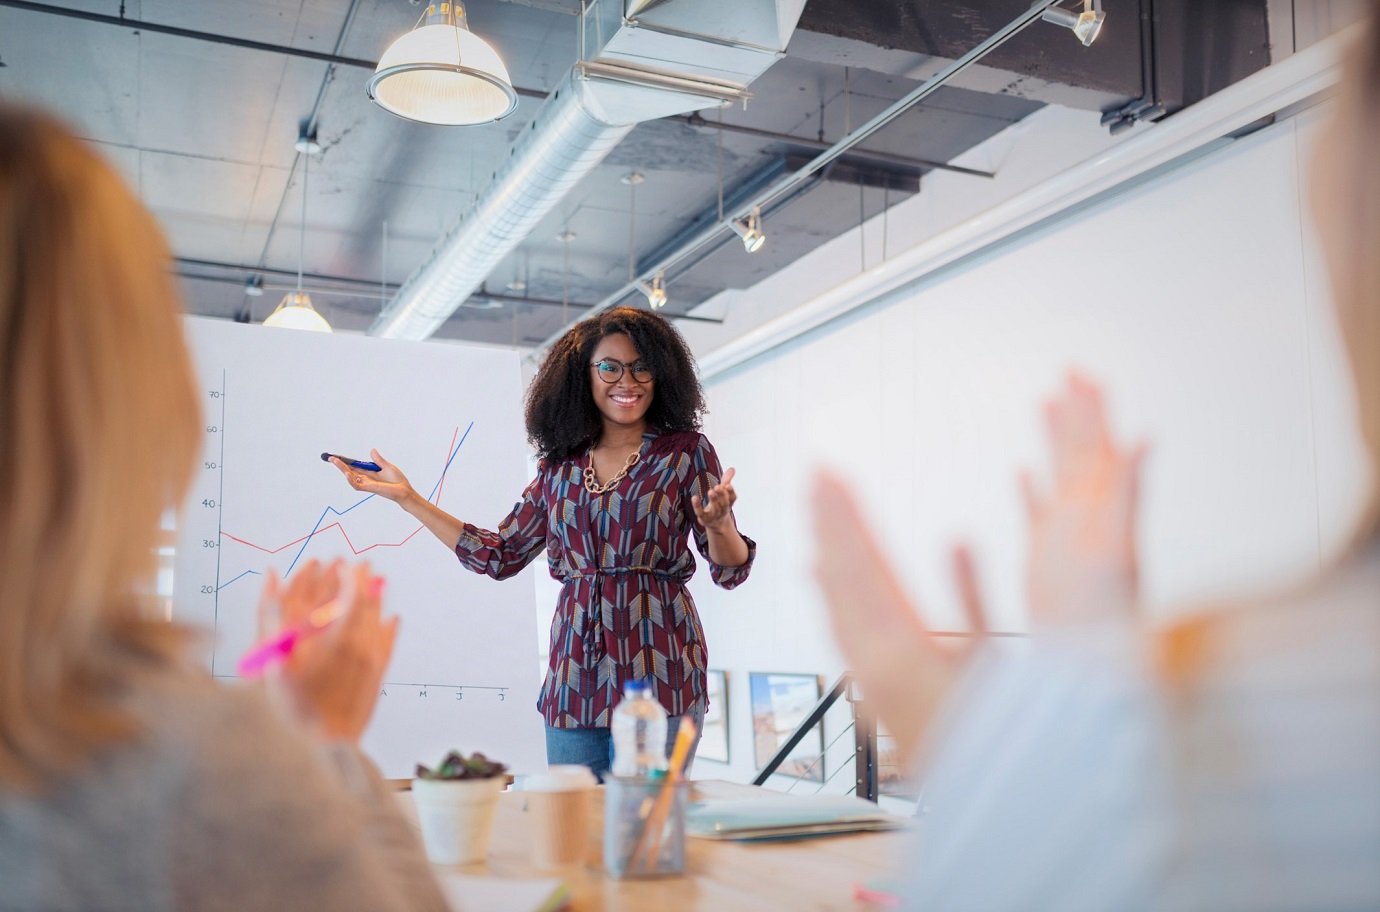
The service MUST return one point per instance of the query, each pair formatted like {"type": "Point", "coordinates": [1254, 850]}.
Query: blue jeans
{"type": "Point", "coordinates": [593, 747]}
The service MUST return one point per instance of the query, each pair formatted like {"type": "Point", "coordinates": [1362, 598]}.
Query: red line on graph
{"type": "Point", "coordinates": [336, 525]}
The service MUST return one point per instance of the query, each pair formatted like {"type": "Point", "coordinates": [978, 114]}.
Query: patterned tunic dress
{"type": "Point", "coordinates": [623, 560]}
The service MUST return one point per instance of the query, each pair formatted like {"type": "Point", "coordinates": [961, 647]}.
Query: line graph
{"type": "Point", "coordinates": [263, 504]}
{"type": "Point", "coordinates": [317, 529]}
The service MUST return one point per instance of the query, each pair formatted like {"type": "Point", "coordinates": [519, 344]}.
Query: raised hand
{"type": "Point", "coordinates": [388, 482]}
{"type": "Point", "coordinates": [331, 680]}
{"type": "Point", "coordinates": [716, 511]}
{"type": "Point", "coordinates": [905, 671]}
{"type": "Point", "coordinates": [1083, 560]}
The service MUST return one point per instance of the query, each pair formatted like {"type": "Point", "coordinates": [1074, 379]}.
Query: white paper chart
{"type": "Point", "coordinates": [464, 670]}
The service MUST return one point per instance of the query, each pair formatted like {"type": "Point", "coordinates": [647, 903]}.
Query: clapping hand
{"type": "Point", "coordinates": [389, 482]}
{"type": "Point", "coordinates": [716, 510]}
{"type": "Point", "coordinates": [331, 680]}
{"type": "Point", "coordinates": [905, 671]}
{"type": "Point", "coordinates": [1082, 563]}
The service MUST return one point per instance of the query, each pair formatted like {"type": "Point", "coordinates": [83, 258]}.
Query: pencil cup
{"type": "Point", "coordinates": [558, 801]}
{"type": "Point", "coordinates": [644, 826]}
{"type": "Point", "coordinates": [456, 817]}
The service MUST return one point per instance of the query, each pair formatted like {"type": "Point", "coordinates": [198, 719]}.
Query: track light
{"type": "Point", "coordinates": [655, 292]}
{"type": "Point", "coordinates": [254, 286]}
{"type": "Point", "coordinates": [1086, 25]}
{"type": "Point", "coordinates": [749, 229]}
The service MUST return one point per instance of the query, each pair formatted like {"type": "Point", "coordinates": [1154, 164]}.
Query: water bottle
{"type": "Point", "coordinates": [639, 732]}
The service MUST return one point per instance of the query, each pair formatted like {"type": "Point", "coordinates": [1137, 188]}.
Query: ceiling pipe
{"type": "Point", "coordinates": [790, 181]}
{"type": "Point", "coordinates": [660, 59]}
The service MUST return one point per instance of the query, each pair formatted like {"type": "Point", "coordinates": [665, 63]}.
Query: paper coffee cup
{"type": "Point", "coordinates": [559, 802]}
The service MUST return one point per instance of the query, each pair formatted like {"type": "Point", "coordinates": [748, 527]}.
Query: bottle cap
{"type": "Point", "coordinates": [635, 685]}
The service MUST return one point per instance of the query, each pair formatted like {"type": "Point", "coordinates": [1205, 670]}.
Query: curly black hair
{"type": "Point", "coordinates": [562, 420]}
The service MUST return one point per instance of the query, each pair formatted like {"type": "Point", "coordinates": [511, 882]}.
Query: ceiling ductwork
{"type": "Point", "coordinates": [641, 60]}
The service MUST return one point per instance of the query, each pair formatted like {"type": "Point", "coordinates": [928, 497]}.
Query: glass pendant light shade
{"type": "Point", "coordinates": [295, 312]}
{"type": "Point", "coordinates": [442, 73]}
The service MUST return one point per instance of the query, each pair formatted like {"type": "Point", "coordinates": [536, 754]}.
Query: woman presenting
{"type": "Point", "coordinates": [625, 474]}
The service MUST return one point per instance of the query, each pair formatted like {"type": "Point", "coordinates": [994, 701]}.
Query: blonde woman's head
{"type": "Point", "coordinates": [1345, 191]}
{"type": "Point", "coordinates": [99, 420]}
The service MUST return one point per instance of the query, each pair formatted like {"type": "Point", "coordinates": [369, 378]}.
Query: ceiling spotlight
{"type": "Point", "coordinates": [254, 286]}
{"type": "Point", "coordinates": [295, 312]}
{"type": "Point", "coordinates": [1086, 25]}
{"type": "Point", "coordinates": [442, 73]}
{"type": "Point", "coordinates": [306, 142]}
{"type": "Point", "coordinates": [749, 229]}
{"type": "Point", "coordinates": [655, 292]}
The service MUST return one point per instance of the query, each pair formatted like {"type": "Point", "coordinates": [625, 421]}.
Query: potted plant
{"type": "Point", "coordinates": [455, 806]}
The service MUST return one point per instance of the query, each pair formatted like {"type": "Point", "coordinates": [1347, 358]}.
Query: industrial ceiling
{"type": "Point", "coordinates": [199, 104]}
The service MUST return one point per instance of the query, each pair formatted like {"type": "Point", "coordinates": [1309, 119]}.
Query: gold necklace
{"type": "Point", "coordinates": [592, 481]}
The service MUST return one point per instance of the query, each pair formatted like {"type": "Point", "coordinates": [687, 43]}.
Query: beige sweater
{"type": "Point", "coordinates": [219, 806]}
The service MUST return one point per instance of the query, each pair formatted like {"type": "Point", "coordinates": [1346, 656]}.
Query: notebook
{"type": "Point", "coordinates": [779, 817]}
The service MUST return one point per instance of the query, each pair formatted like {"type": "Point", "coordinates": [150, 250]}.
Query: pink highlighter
{"type": "Point", "coordinates": [278, 648]}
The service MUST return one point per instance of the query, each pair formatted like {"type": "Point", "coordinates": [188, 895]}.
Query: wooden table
{"type": "Point", "coordinates": [810, 874]}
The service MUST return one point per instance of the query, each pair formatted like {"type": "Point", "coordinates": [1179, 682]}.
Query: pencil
{"type": "Point", "coordinates": [656, 820]}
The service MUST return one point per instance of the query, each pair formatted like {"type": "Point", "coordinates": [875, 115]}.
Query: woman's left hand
{"type": "Point", "coordinates": [715, 512]}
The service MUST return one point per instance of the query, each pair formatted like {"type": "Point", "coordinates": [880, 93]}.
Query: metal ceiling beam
{"type": "Point", "coordinates": [235, 274]}
{"type": "Point", "coordinates": [881, 158]}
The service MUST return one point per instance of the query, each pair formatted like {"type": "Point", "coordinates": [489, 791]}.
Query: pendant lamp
{"type": "Point", "coordinates": [442, 73]}
{"type": "Point", "coordinates": [295, 310]}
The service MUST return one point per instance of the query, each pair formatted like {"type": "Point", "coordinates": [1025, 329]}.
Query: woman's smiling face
{"type": "Point", "coordinates": [625, 401]}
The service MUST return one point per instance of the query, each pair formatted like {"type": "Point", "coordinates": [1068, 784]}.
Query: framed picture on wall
{"type": "Point", "coordinates": [780, 702]}
{"type": "Point", "coordinates": [714, 741]}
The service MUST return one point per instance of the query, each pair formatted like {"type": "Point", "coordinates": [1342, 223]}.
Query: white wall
{"type": "Point", "coordinates": [1196, 298]}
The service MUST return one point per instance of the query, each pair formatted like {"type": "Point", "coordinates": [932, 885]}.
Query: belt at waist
{"type": "Point", "coordinates": [595, 573]}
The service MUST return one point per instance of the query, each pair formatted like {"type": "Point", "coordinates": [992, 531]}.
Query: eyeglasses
{"type": "Point", "coordinates": [611, 370]}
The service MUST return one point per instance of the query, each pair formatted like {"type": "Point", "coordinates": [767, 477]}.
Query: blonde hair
{"type": "Point", "coordinates": [1357, 289]}
{"type": "Point", "coordinates": [98, 420]}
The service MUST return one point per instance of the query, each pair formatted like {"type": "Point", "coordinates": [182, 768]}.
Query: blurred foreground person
{"type": "Point", "coordinates": [1228, 761]}
{"type": "Point", "coordinates": [128, 778]}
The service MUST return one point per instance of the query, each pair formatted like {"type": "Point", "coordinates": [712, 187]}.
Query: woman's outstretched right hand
{"type": "Point", "coordinates": [389, 482]}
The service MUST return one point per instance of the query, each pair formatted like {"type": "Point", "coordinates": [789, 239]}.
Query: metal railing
{"type": "Point", "coordinates": [861, 725]}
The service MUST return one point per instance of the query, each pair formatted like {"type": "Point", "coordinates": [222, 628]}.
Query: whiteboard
{"type": "Point", "coordinates": [465, 671]}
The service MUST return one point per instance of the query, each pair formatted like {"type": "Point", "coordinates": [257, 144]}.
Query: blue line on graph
{"type": "Point", "coordinates": [329, 510]}
{"type": "Point", "coordinates": [245, 573]}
